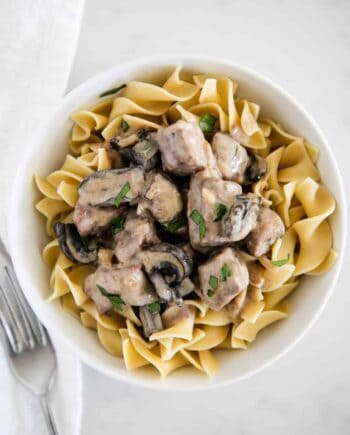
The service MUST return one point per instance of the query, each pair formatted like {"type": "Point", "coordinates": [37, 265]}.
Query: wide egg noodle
{"type": "Point", "coordinates": [248, 331]}
{"type": "Point", "coordinates": [296, 164]}
{"type": "Point", "coordinates": [170, 346]}
{"type": "Point", "coordinates": [88, 321]}
{"type": "Point", "coordinates": [213, 336]}
{"type": "Point", "coordinates": [110, 340]}
{"type": "Point", "coordinates": [314, 230]}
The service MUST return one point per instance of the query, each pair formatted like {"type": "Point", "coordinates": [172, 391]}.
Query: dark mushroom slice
{"type": "Point", "coordinates": [185, 288]}
{"type": "Point", "coordinates": [256, 168]}
{"type": "Point", "coordinates": [231, 157]}
{"type": "Point", "coordinates": [151, 321]}
{"type": "Point", "coordinates": [140, 148]}
{"type": "Point", "coordinates": [72, 245]}
{"type": "Point", "coordinates": [268, 229]}
{"type": "Point", "coordinates": [166, 265]}
{"type": "Point", "coordinates": [242, 216]}
{"type": "Point", "coordinates": [169, 260]}
{"type": "Point", "coordinates": [161, 198]}
{"type": "Point", "coordinates": [163, 289]}
{"type": "Point", "coordinates": [101, 188]}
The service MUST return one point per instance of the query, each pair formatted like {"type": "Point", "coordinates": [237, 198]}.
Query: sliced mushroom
{"type": "Point", "coordinates": [222, 277]}
{"type": "Point", "coordinates": [130, 283]}
{"type": "Point", "coordinates": [268, 229]}
{"type": "Point", "coordinates": [151, 322]}
{"type": "Point", "coordinates": [72, 245]}
{"type": "Point", "coordinates": [101, 187]}
{"type": "Point", "coordinates": [161, 198]}
{"type": "Point", "coordinates": [242, 216]}
{"type": "Point", "coordinates": [182, 148]}
{"type": "Point", "coordinates": [185, 288]}
{"type": "Point", "coordinates": [232, 158]}
{"type": "Point", "coordinates": [141, 149]}
{"type": "Point", "coordinates": [163, 289]}
{"type": "Point", "coordinates": [169, 260]}
{"type": "Point", "coordinates": [166, 265]}
{"type": "Point", "coordinates": [256, 168]}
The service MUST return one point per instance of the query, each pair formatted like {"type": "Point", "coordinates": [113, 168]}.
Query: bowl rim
{"type": "Point", "coordinates": [157, 61]}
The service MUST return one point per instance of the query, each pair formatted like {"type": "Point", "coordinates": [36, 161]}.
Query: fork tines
{"type": "Point", "coordinates": [22, 328]}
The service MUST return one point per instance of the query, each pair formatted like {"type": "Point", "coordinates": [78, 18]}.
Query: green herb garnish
{"type": "Point", "coordinates": [280, 263]}
{"type": "Point", "coordinates": [84, 244]}
{"type": "Point", "coordinates": [213, 282]}
{"type": "Point", "coordinates": [210, 293]}
{"type": "Point", "coordinates": [113, 91]}
{"type": "Point", "coordinates": [122, 194]}
{"type": "Point", "coordinates": [115, 300]}
{"type": "Point", "coordinates": [207, 123]}
{"type": "Point", "coordinates": [225, 272]}
{"type": "Point", "coordinates": [220, 211]}
{"type": "Point", "coordinates": [177, 223]}
{"type": "Point", "coordinates": [154, 307]}
{"type": "Point", "coordinates": [199, 220]}
{"type": "Point", "coordinates": [125, 126]}
{"type": "Point", "coordinates": [118, 224]}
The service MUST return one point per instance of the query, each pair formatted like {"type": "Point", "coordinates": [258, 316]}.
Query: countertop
{"type": "Point", "coordinates": [305, 47]}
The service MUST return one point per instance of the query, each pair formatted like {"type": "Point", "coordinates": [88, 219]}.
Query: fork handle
{"type": "Point", "coordinates": [50, 423]}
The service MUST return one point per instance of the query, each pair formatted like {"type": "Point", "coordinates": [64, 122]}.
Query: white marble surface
{"type": "Point", "coordinates": [305, 47]}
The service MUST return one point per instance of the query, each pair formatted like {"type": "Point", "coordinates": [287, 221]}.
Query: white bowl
{"type": "Point", "coordinates": [27, 231]}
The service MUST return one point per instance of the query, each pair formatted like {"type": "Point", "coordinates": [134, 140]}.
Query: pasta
{"type": "Point", "coordinates": [291, 187]}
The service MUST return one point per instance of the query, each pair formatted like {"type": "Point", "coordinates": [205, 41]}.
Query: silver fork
{"type": "Point", "coordinates": [29, 351]}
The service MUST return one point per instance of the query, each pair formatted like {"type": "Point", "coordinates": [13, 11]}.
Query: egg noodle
{"type": "Point", "coordinates": [291, 187]}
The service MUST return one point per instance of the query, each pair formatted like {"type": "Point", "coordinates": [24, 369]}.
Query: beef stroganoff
{"type": "Point", "coordinates": [181, 221]}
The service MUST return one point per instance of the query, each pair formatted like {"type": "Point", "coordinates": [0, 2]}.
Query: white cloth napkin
{"type": "Point", "coordinates": [37, 44]}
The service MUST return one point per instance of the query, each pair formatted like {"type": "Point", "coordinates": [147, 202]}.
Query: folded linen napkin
{"type": "Point", "coordinates": [38, 39]}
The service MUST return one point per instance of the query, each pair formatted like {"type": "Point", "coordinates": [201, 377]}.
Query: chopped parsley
{"type": "Point", "coordinates": [213, 282]}
{"type": "Point", "coordinates": [122, 194]}
{"type": "Point", "coordinates": [115, 300]}
{"type": "Point", "coordinates": [199, 220]}
{"type": "Point", "coordinates": [220, 211]}
{"type": "Point", "coordinates": [84, 243]}
{"type": "Point", "coordinates": [207, 123]}
{"type": "Point", "coordinates": [113, 91]}
{"type": "Point", "coordinates": [282, 262]}
{"type": "Point", "coordinates": [177, 223]}
{"type": "Point", "coordinates": [154, 307]}
{"type": "Point", "coordinates": [225, 272]}
{"type": "Point", "coordinates": [118, 224]}
{"type": "Point", "coordinates": [125, 126]}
